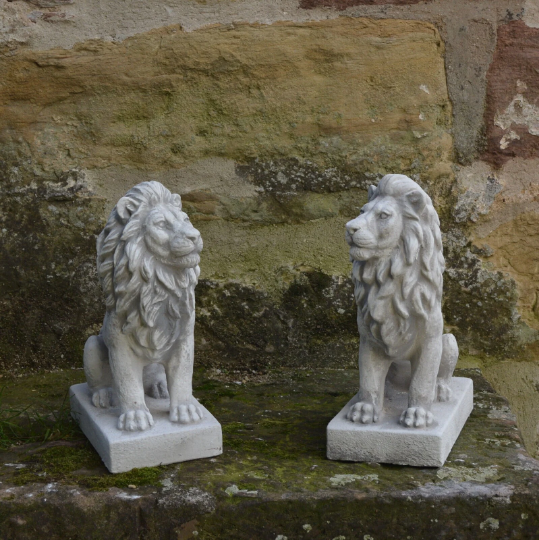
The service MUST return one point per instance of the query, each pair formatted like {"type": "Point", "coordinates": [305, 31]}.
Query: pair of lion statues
{"type": "Point", "coordinates": [147, 261]}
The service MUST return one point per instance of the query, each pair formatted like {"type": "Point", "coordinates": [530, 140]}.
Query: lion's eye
{"type": "Point", "coordinates": [160, 224]}
{"type": "Point", "coordinates": [384, 215]}
{"type": "Point", "coordinates": [362, 211]}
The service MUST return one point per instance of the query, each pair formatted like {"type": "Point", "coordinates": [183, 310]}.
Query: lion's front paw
{"type": "Point", "coordinates": [137, 420]}
{"type": "Point", "coordinates": [103, 397]}
{"type": "Point", "coordinates": [416, 417]}
{"type": "Point", "coordinates": [443, 391]}
{"type": "Point", "coordinates": [186, 413]}
{"type": "Point", "coordinates": [362, 412]}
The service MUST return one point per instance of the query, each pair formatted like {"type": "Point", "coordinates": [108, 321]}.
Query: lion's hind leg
{"type": "Point", "coordinates": [450, 355]}
{"type": "Point", "coordinates": [155, 381]}
{"type": "Point", "coordinates": [97, 371]}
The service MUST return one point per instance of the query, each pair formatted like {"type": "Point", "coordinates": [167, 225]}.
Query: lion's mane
{"type": "Point", "coordinates": [142, 289]}
{"type": "Point", "coordinates": [392, 293]}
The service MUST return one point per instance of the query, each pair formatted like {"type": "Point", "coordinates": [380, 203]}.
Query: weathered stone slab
{"type": "Point", "coordinates": [387, 441]}
{"type": "Point", "coordinates": [343, 4]}
{"type": "Point", "coordinates": [272, 132]}
{"type": "Point", "coordinates": [273, 477]}
{"type": "Point", "coordinates": [166, 442]}
{"type": "Point", "coordinates": [329, 90]}
{"type": "Point", "coordinates": [512, 113]}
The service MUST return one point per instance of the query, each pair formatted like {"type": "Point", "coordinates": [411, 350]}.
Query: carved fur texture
{"type": "Point", "coordinates": [391, 292]}
{"type": "Point", "coordinates": [147, 262]}
{"type": "Point", "coordinates": [138, 284]}
{"type": "Point", "coordinates": [396, 250]}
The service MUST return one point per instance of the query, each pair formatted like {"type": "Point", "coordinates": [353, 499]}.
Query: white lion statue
{"type": "Point", "coordinates": [396, 250]}
{"type": "Point", "coordinates": [147, 262]}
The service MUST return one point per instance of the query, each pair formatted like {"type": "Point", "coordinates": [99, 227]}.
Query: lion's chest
{"type": "Point", "coordinates": [173, 321]}
{"type": "Point", "coordinates": [381, 322]}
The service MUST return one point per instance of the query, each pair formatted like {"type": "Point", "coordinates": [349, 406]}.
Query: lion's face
{"type": "Point", "coordinates": [171, 238]}
{"type": "Point", "coordinates": [376, 231]}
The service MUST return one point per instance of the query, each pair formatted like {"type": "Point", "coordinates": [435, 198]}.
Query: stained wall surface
{"type": "Point", "coordinates": [270, 119]}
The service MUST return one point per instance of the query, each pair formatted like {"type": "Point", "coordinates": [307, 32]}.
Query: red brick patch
{"type": "Point", "coordinates": [512, 111]}
{"type": "Point", "coordinates": [343, 4]}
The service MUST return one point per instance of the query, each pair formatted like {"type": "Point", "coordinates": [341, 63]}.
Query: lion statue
{"type": "Point", "coordinates": [396, 251]}
{"type": "Point", "coordinates": [147, 262]}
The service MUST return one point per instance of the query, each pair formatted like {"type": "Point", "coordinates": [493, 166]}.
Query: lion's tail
{"type": "Point", "coordinates": [450, 355]}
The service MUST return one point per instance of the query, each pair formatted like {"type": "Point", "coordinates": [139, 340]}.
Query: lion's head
{"type": "Point", "coordinates": [147, 262]}
{"type": "Point", "coordinates": [396, 249]}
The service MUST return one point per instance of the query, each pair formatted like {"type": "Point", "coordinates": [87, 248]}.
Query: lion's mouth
{"type": "Point", "coordinates": [182, 251]}
{"type": "Point", "coordinates": [185, 248]}
{"type": "Point", "coordinates": [360, 241]}
{"type": "Point", "coordinates": [187, 261]}
{"type": "Point", "coordinates": [358, 252]}
{"type": "Point", "coordinates": [364, 245]}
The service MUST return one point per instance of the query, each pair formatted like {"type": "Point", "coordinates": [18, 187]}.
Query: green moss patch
{"type": "Point", "coordinates": [274, 433]}
{"type": "Point", "coordinates": [274, 478]}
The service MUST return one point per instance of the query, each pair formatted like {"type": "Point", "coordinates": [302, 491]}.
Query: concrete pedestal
{"type": "Point", "coordinates": [387, 441]}
{"type": "Point", "coordinates": [166, 442]}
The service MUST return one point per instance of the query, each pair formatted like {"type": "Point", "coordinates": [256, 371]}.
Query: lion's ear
{"type": "Point", "coordinates": [417, 200]}
{"type": "Point", "coordinates": [372, 192]}
{"type": "Point", "coordinates": [125, 208]}
{"type": "Point", "coordinates": [177, 200]}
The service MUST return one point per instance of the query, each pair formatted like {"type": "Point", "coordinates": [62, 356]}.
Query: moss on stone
{"type": "Point", "coordinates": [273, 477]}
{"type": "Point", "coordinates": [78, 465]}
{"type": "Point", "coordinates": [479, 304]}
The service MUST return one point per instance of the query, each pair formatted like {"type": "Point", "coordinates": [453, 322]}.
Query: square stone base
{"type": "Point", "coordinates": [166, 442]}
{"type": "Point", "coordinates": [387, 441]}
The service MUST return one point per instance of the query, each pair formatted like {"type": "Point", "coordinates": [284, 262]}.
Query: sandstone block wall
{"type": "Point", "coordinates": [270, 119]}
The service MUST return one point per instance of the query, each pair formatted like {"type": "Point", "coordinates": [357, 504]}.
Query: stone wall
{"type": "Point", "coordinates": [270, 119]}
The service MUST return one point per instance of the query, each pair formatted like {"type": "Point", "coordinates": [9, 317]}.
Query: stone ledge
{"type": "Point", "coordinates": [273, 478]}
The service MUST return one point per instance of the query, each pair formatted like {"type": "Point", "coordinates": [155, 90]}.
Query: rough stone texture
{"type": "Point", "coordinates": [49, 217]}
{"type": "Point", "coordinates": [469, 32]}
{"type": "Point", "coordinates": [270, 133]}
{"type": "Point", "coordinates": [469, 29]}
{"type": "Point", "coordinates": [49, 290]}
{"type": "Point", "coordinates": [471, 41]}
{"type": "Point", "coordinates": [266, 484]}
{"type": "Point", "coordinates": [313, 322]}
{"type": "Point", "coordinates": [317, 96]}
{"type": "Point", "coordinates": [512, 115]}
{"type": "Point", "coordinates": [518, 380]}
{"type": "Point", "coordinates": [531, 13]}
{"type": "Point", "coordinates": [343, 4]}
{"type": "Point", "coordinates": [480, 302]}
{"type": "Point", "coordinates": [515, 250]}
{"type": "Point", "coordinates": [500, 205]}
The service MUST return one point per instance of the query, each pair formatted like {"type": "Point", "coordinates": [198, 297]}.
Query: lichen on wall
{"type": "Point", "coordinates": [334, 92]}
{"type": "Point", "coordinates": [49, 295]}
{"type": "Point", "coordinates": [271, 134]}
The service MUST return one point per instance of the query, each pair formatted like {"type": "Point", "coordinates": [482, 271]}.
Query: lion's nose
{"type": "Point", "coordinates": [352, 228]}
{"type": "Point", "coordinates": [193, 236]}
